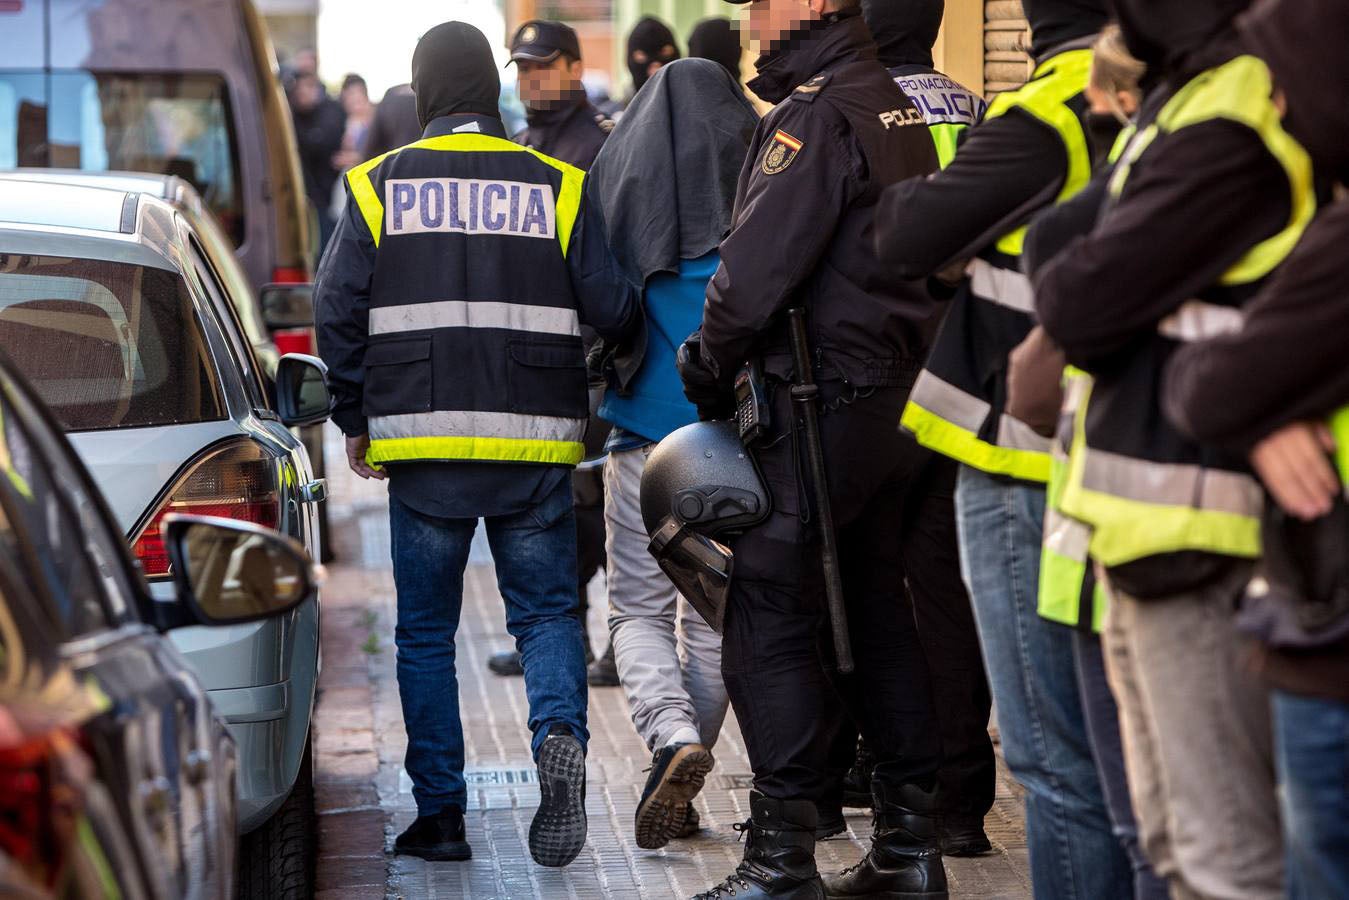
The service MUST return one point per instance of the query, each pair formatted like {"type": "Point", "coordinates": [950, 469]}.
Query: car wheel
{"type": "Point", "coordinates": [276, 860]}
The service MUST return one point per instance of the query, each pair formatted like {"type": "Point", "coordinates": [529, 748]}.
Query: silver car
{"type": "Point", "coordinates": [111, 307]}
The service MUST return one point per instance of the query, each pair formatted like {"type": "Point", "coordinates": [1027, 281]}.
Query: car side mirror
{"type": "Point", "coordinates": [287, 306]}
{"type": "Point", "coordinates": [228, 572]}
{"type": "Point", "coordinates": [302, 390]}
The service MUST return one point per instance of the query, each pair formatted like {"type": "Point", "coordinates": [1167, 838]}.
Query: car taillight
{"type": "Point", "coordinates": [294, 340]}
{"type": "Point", "coordinates": [238, 481]}
{"type": "Point", "coordinates": [290, 275]}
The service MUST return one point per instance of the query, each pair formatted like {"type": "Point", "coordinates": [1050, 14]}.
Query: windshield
{"type": "Point", "coordinates": [168, 124]}
{"type": "Point", "coordinates": [105, 344]}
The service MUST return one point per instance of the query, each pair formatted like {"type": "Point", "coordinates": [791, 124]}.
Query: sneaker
{"type": "Point", "coordinates": [677, 774]}
{"type": "Point", "coordinates": [558, 831]}
{"type": "Point", "coordinates": [506, 664]}
{"type": "Point", "coordinates": [603, 672]}
{"type": "Point", "coordinates": [438, 838]}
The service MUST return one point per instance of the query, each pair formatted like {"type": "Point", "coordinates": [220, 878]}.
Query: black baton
{"type": "Point", "coordinates": [804, 394]}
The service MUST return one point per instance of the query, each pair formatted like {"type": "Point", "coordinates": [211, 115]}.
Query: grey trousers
{"type": "Point", "coordinates": [669, 659]}
{"type": "Point", "coordinates": [1197, 742]}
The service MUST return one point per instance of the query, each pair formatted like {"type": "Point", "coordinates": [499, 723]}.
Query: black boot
{"type": "Point", "coordinates": [779, 854]}
{"type": "Point", "coordinates": [904, 862]}
{"type": "Point", "coordinates": [857, 783]}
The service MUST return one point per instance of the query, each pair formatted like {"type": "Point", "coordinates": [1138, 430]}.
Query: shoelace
{"type": "Point", "coordinates": [728, 887]}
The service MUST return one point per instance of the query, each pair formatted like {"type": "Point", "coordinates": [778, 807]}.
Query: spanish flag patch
{"type": "Point", "coordinates": [782, 152]}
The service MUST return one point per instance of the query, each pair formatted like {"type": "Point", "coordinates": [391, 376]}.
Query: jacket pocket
{"type": "Point", "coordinates": [547, 377]}
{"type": "Point", "coordinates": [397, 377]}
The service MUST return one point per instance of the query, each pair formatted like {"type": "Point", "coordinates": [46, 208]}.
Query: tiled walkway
{"type": "Point", "coordinates": [364, 797]}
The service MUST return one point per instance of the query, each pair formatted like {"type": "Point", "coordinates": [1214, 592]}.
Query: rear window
{"type": "Point", "coordinates": [106, 345]}
{"type": "Point", "coordinates": [168, 124]}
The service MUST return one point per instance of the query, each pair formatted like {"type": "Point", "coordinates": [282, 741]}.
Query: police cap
{"type": "Point", "coordinates": [542, 41]}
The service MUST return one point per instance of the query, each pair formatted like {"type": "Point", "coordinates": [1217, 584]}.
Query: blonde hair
{"type": "Point", "coordinates": [1115, 70]}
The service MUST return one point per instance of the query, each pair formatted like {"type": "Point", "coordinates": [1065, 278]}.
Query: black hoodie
{"type": "Point", "coordinates": [905, 30]}
{"type": "Point", "coordinates": [1056, 22]}
{"type": "Point", "coordinates": [454, 73]}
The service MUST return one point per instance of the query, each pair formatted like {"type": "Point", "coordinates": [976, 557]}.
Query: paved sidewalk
{"type": "Point", "coordinates": [364, 797]}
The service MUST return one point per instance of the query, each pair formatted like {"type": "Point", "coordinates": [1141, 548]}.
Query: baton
{"type": "Point", "coordinates": [804, 394]}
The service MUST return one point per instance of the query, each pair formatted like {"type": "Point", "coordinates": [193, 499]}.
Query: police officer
{"type": "Point", "coordinates": [448, 311]}
{"type": "Point", "coordinates": [562, 121]}
{"type": "Point", "coordinates": [841, 131]}
{"type": "Point", "coordinates": [564, 125]}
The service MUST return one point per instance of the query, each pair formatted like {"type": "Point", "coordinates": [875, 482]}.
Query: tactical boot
{"type": "Point", "coordinates": [905, 861]}
{"type": "Point", "coordinates": [779, 858]}
{"type": "Point", "coordinates": [857, 783]}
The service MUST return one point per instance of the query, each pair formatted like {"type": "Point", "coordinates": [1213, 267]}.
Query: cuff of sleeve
{"type": "Point", "coordinates": [352, 423]}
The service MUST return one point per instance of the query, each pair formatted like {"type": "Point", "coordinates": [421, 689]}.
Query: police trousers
{"type": "Point", "coordinates": [777, 655]}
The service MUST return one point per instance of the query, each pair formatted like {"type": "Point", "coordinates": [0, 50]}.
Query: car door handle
{"type": "Point", "coordinates": [315, 491]}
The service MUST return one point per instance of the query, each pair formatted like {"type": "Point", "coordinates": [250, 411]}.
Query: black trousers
{"type": "Point", "coordinates": [588, 503]}
{"type": "Point", "coordinates": [967, 776]}
{"type": "Point", "coordinates": [777, 654]}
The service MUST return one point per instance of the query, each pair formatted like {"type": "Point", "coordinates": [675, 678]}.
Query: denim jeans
{"type": "Point", "coordinates": [1074, 854]}
{"type": "Point", "coordinates": [535, 556]}
{"type": "Point", "coordinates": [1107, 748]}
{"type": "Point", "coordinates": [1311, 738]}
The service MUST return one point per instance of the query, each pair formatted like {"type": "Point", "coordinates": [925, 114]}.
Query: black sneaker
{"type": "Point", "coordinates": [506, 664]}
{"type": "Point", "coordinates": [438, 838]}
{"type": "Point", "coordinates": [603, 672]}
{"type": "Point", "coordinates": [558, 831]}
{"type": "Point", "coordinates": [677, 773]}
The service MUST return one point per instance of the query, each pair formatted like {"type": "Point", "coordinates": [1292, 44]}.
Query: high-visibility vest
{"type": "Point", "coordinates": [1339, 429]}
{"type": "Point", "coordinates": [948, 107]}
{"type": "Point", "coordinates": [474, 349]}
{"type": "Point", "coordinates": [957, 404]}
{"type": "Point", "coordinates": [1145, 489]}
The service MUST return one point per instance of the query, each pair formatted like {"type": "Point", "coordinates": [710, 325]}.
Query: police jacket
{"type": "Point", "coordinates": [804, 208]}
{"type": "Point", "coordinates": [947, 106]}
{"type": "Point", "coordinates": [573, 132]}
{"type": "Point", "coordinates": [449, 308]}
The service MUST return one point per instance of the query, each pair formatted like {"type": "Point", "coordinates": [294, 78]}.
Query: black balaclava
{"type": "Point", "coordinates": [453, 71]}
{"type": "Point", "coordinates": [1054, 22]}
{"type": "Point", "coordinates": [1162, 33]}
{"type": "Point", "coordinates": [654, 40]}
{"type": "Point", "coordinates": [1304, 44]}
{"type": "Point", "coordinates": [717, 40]}
{"type": "Point", "coordinates": [905, 30]}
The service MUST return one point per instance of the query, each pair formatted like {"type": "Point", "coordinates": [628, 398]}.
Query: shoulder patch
{"type": "Point", "coordinates": [807, 92]}
{"type": "Point", "coordinates": [782, 152]}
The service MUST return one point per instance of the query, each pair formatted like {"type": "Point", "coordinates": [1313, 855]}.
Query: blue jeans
{"type": "Point", "coordinates": [1311, 738]}
{"type": "Point", "coordinates": [1107, 748]}
{"type": "Point", "coordinates": [535, 556]}
{"type": "Point", "coordinates": [1074, 854]}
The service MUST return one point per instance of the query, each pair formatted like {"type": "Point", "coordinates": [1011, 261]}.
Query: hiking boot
{"type": "Point", "coordinates": [438, 838]}
{"type": "Point", "coordinates": [558, 831]}
{"type": "Point", "coordinates": [964, 836]}
{"type": "Point", "coordinates": [603, 672]}
{"type": "Point", "coordinates": [677, 773]}
{"type": "Point", "coordinates": [779, 858]}
{"type": "Point", "coordinates": [905, 861]}
{"type": "Point", "coordinates": [692, 823]}
{"type": "Point", "coordinates": [857, 783]}
{"type": "Point", "coordinates": [830, 823]}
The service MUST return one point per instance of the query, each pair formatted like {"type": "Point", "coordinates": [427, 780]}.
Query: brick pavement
{"type": "Point", "coordinates": [364, 797]}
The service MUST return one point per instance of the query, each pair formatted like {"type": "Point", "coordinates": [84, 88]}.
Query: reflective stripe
{"type": "Point", "coordinates": [443, 423]}
{"type": "Point", "coordinates": [392, 450]}
{"type": "Point", "coordinates": [1171, 484]}
{"type": "Point", "coordinates": [1339, 429]}
{"type": "Point", "coordinates": [1066, 536]}
{"type": "Point", "coordinates": [935, 431]}
{"type": "Point", "coordinates": [1016, 434]}
{"type": "Point", "coordinates": [1005, 287]}
{"type": "Point", "coordinates": [1199, 321]}
{"type": "Point", "coordinates": [474, 314]}
{"type": "Point", "coordinates": [568, 200]}
{"type": "Point", "coordinates": [950, 402]}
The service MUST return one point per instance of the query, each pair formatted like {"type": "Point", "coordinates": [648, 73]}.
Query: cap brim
{"type": "Point", "coordinates": [530, 54]}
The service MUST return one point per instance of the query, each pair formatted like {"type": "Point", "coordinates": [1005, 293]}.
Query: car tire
{"type": "Point", "coordinates": [277, 859]}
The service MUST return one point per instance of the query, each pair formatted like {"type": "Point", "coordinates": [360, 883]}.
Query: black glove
{"type": "Point", "coordinates": [713, 397]}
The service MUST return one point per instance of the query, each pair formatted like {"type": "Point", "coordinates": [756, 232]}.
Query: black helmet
{"type": "Point", "coordinates": [703, 477]}
{"type": "Point", "coordinates": [700, 484]}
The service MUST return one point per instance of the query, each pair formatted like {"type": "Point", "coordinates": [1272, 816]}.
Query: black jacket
{"type": "Point", "coordinates": [801, 231]}
{"type": "Point", "coordinates": [573, 132]}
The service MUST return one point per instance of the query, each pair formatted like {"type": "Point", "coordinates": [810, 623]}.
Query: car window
{"type": "Point", "coordinates": [229, 324]}
{"type": "Point", "coordinates": [107, 344]}
{"type": "Point", "coordinates": [167, 123]}
{"type": "Point", "coordinates": [41, 528]}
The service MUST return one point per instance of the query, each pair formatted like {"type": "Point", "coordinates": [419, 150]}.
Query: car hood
{"type": "Point", "coordinates": [133, 465]}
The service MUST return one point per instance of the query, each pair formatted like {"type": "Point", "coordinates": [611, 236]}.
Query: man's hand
{"type": "Point", "coordinates": [1035, 382]}
{"type": "Point", "coordinates": [1293, 464]}
{"type": "Point", "coordinates": [701, 386]}
{"type": "Point", "coordinates": [356, 447]}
